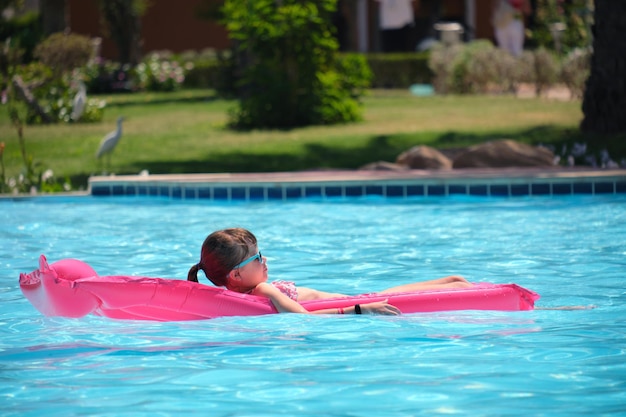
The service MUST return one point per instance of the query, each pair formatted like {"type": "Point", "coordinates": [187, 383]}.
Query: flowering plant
{"type": "Point", "coordinates": [156, 74]}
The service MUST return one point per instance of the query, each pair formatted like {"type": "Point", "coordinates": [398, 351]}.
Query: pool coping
{"type": "Point", "coordinates": [504, 182]}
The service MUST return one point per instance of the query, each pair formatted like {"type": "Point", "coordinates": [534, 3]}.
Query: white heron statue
{"type": "Point", "coordinates": [80, 102]}
{"type": "Point", "coordinates": [109, 142]}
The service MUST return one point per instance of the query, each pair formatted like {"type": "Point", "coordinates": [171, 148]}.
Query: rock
{"type": "Point", "coordinates": [424, 157]}
{"type": "Point", "coordinates": [503, 154]}
{"type": "Point", "coordinates": [383, 166]}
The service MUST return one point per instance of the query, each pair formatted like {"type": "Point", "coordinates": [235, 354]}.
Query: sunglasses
{"type": "Point", "coordinates": [255, 257]}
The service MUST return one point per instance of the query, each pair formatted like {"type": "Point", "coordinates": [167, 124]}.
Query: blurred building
{"type": "Point", "coordinates": [362, 25]}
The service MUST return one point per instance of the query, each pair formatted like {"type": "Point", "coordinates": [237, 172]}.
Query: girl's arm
{"type": "Point", "coordinates": [285, 304]}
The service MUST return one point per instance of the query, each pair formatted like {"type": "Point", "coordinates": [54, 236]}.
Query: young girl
{"type": "Point", "coordinates": [230, 258]}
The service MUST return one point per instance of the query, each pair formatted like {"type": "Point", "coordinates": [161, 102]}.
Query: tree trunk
{"type": "Point", "coordinates": [604, 103]}
{"type": "Point", "coordinates": [124, 27]}
{"type": "Point", "coordinates": [24, 94]}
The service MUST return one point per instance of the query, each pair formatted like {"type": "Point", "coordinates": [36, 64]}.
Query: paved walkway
{"type": "Point", "coordinates": [367, 175]}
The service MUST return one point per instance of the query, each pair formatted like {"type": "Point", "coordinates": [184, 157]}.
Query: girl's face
{"type": "Point", "coordinates": [249, 273]}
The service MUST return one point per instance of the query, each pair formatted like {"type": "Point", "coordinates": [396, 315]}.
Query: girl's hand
{"type": "Point", "coordinates": [380, 307]}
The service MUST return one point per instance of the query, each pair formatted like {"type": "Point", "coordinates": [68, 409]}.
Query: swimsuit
{"type": "Point", "coordinates": [288, 288]}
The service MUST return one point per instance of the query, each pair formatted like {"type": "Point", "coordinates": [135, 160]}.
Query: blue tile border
{"type": "Point", "coordinates": [259, 191]}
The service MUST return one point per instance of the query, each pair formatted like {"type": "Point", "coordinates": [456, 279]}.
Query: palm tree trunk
{"type": "Point", "coordinates": [604, 102]}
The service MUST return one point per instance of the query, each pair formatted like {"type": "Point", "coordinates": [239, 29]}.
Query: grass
{"type": "Point", "coordinates": [186, 132]}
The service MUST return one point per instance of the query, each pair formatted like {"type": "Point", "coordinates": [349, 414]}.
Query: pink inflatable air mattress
{"type": "Point", "coordinates": [71, 288]}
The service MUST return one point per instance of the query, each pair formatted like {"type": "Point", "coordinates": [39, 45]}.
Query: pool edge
{"type": "Point", "coordinates": [507, 182]}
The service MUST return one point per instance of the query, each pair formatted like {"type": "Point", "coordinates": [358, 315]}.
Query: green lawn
{"type": "Point", "coordinates": [186, 132]}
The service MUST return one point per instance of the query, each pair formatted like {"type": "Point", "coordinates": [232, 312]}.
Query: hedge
{"type": "Point", "coordinates": [398, 70]}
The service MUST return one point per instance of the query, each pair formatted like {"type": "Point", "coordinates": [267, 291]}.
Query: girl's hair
{"type": "Point", "coordinates": [221, 252]}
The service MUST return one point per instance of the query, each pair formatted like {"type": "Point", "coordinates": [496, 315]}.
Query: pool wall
{"type": "Point", "coordinates": [332, 184]}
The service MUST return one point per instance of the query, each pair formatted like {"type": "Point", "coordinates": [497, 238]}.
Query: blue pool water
{"type": "Point", "coordinates": [571, 250]}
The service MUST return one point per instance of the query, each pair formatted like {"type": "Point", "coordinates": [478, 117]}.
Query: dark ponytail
{"type": "Point", "coordinates": [192, 275]}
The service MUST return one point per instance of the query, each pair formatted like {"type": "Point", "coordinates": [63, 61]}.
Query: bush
{"type": "Point", "coordinates": [472, 71]}
{"type": "Point", "coordinates": [63, 52]}
{"type": "Point", "coordinates": [157, 73]}
{"type": "Point", "coordinates": [479, 67]}
{"type": "Point", "coordinates": [61, 103]}
{"type": "Point", "coordinates": [56, 95]}
{"type": "Point", "coordinates": [204, 74]}
{"type": "Point", "coordinates": [354, 73]}
{"type": "Point", "coordinates": [576, 17]}
{"type": "Point", "coordinates": [102, 76]}
{"type": "Point", "coordinates": [25, 31]}
{"type": "Point", "coordinates": [399, 70]}
{"type": "Point", "coordinates": [441, 62]}
{"type": "Point", "coordinates": [211, 70]}
{"type": "Point", "coordinates": [575, 71]}
{"type": "Point", "coordinates": [546, 68]}
{"type": "Point", "coordinates": [286, 55]}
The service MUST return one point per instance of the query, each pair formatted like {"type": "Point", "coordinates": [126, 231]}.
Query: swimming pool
{"type": "Point", "coordinates": [571, 250]}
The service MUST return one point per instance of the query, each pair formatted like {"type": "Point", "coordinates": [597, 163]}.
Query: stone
{"type": "Point", "coordinates": [383, 166]}
{"type": "Point", "coordinates": [424, 157]}
{"type": "Point", "coordinates": [504, 154]}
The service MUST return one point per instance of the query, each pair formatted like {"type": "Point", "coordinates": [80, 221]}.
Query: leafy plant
{"type": "Point", "coordinates": [472, 71]}
{"type": "Point", "coordinates": [286, 63]}
{"type": "Point", "coordinates": [63, 52]}
{"type": "Point", "coordinates": [104, 76]}
{"type": "Point", "coordinates": [479, 67]}
{"type": "Point", "coordinates": [441, 62]}
{"type": "Point", "coordinates": [355, 74]}
{"type": "Point", "coordinates": [56, 95]}
{"type": "Point", "coordinates": [575, 70]}
{"type": "Point", "coordinates": [546, 68]}
{"type": "Point", "coordinates": [24, 29]}
{"type": "Point", "coordinates": [569, 20]}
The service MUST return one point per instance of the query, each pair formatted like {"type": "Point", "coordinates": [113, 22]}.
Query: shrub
{"type": "Point", "coordinates": [441, 62]}
{"type": "Point", "coordinates": [286, 55]}
{"type": "Point", "coordinates": [475, 67]}
{"type": "Point", "coordinates": [575, 71]}
{"type": "Point", "coordinates": [204, 74]}
{"type": "Point", "coordinates": [25, 31]}
{"type": "Point", "coordinates": [61, 103]}
{"type": "Point", "coordinates": [64, 52]}
{"type": "Point", "coordinates": [103, 76]}
{"type": "Point", "coordinates": [211, 70]}
{"type": "Point", "coordinates": [546, 70]}
{"type": "Point", "coordinates": [525, 70]}
{"type": "Point", "coordinates": [478, 67]}
{"type": "Point", "coordinates": [481, 73]}
{"type": "Point", "coordinates": [576, 17]}
{"type": "Point", "coordinates": [157, 73]}
{"type": "Point", "coordinates": [471, 71]}
{"type": "Point", "coordinates": [355, 75]}
{"type": "Point", "coordinates": [399, 70]}
{"type": "Point", "coordinates": [56, 95]}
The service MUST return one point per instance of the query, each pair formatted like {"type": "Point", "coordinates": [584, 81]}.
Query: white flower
{"type": "Point", "coordinates": [47, 175]}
